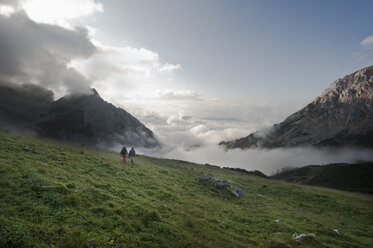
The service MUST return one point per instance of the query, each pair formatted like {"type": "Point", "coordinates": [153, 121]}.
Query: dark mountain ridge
{"type": "Point", "coordinates": [341, 116]}
{"type": "Point", "coordinates": [83, 119]}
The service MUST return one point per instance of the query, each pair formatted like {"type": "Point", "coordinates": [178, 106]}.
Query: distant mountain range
{"type": "Point", "coordinates": [341, 116]}
{"type": "Point", "coordinates": [350, 177]}
{"type": "Point", "coordinates": [83, 119]}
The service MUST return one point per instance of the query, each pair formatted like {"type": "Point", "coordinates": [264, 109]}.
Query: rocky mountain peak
{"type": "Point", "coordinates": [95, 93]}
{"type": "Point", "coordinates": [358, 85]}
{"type": "Point", "coordinates": [341, 116]}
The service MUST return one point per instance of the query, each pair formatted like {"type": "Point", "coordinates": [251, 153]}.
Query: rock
{"type": "Point", "coordinates": [238, 191]}
{"type": "Point", "coordinates": [297, 236]}
{"type": "Point", "coordinates": [261, 196]}
{"type": "Point", "coordinates": [277, 221]}
{"type": "Point", "coordinates": [235, 193]}
{"type": "Point", "coordinates": [229, 181]}
{"type": "Point", "coordinates": [337, 232]}
{"type": "Point", "coordinates": [165, 206]}
{"type": "Point", "coordinates": [28, 149]}
{"type": "Point", "coordinates": [220, 183]}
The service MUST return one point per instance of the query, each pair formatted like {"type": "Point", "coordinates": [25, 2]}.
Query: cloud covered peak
{"type": "Point", "coordinates": [39, 53]}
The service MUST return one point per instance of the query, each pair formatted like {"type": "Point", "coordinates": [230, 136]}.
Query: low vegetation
{"type": "Point", "coordinates": [63, 195]}
{"type": "Point", "coordinates": [350, 177]}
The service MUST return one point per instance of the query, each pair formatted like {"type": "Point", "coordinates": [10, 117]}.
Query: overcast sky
{"type": "Point", "coordinates": [195, 72]}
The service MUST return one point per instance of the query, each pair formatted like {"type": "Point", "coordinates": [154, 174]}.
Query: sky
{"type": "Point", "coordinates": [195, 72]}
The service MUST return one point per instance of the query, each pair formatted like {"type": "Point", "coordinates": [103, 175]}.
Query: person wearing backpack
{"type": "Point", "coordinates": [132, 155]}
{"type": "Point", "coordinates": [123, 152]}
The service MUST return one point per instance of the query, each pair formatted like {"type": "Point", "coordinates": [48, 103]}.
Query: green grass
{"type": "Point", "coordinates": [63, 195]}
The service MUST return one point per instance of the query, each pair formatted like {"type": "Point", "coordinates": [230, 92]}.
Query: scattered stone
{"type": "Point", "coordinates": [234, 193]}
{"type": "Point", "coordinates": [237, 191]}
{"type": "Point", "coordinates": [297, 236]}
{"type": "Point", "coordinates": [277, 221]}
{"type": "Point", "coordinates": [27, 149]}
{"type": "Point", "coordinates": [165, 206]}
{"type": "Point", "coordinates": [43, 186]}
{"type": "Point", "coordinates": [220, 183]}
{"type": "Point", "coordinates": [338, 232]}
{"type": "Point", "coordinates": [260, 195]}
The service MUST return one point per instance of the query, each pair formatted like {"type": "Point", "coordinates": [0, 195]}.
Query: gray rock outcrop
{"type": "Point", "coordinates": [341, 116]}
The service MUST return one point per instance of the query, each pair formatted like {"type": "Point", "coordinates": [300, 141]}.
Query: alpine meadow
{"type": "Point", "coordinates": [64, 195]}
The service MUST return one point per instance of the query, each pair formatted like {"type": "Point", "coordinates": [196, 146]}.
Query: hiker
{"type": "Point", "coordinates": [132, 154]}
{"type": "Point", "coordinates": [123, 152]}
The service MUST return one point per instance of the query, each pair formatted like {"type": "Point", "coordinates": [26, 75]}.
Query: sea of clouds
{"type": "Point", "coordinates": [196, 140]}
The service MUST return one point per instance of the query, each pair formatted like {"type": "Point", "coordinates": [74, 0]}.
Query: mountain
{"type": "Point", "coordinates": [22, 105]}
{"type": "Point", "coordinates": [350, 177]}
{"type": "Point", "coordinates": [341, 116]}
{"type": "Point", "coordinates": [83, 119]}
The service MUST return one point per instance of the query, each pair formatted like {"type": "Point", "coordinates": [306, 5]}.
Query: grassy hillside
{"type": "Point", "coordinates": [351, 177]}
{"type": "Point", "coordinates": [62, 195]}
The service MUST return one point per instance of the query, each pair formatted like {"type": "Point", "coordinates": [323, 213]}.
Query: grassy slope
{"type": "Point", "coordinates": [69, 196]}
{"type": "Point", "coordinates": [351, 177]}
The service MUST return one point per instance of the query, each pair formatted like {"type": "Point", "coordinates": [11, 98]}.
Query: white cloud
{"type": "Point", "coordinates": [178, 94]}
{"type": "Point", "coordinates": [367, 43]}
{"type": "Point", "coordinates": [60, 12]}
{"type": "Point", "coordinates": [128, 75]}
{"type": "Point", "coordinates": [6, 10]}
{"type": "Point", "coordinates": [169, 67]}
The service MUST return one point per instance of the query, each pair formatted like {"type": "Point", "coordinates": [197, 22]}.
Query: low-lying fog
{"type": "Point", "coordinates": [196, 140]}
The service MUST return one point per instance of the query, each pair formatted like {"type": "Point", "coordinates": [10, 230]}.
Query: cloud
{"type": "Point", "coordinates": [365, 52]}
{"type": "Point", "coordinates": [179, 94]}
{"type": "Point", "coordinates": [169, 67]}
{"type": "Point", "coordinates": [270, 161]}
{"type": "Point", "coordinates": [6, 10]}
{"type": "Point", "coordinates": [189, 138]}
{"type": "Point", "coordinates": [60, 12]}
{"type": "Point", "coordinates": [40, 45]}
{"type": "Point", "coordinates": [188, 135]}
{"type": "Point", "coordinates": [38, 54]}
{"type": "Point", "coordinates": [127, 74]}
{"type": "Point", "coordinates": [367, 43]}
